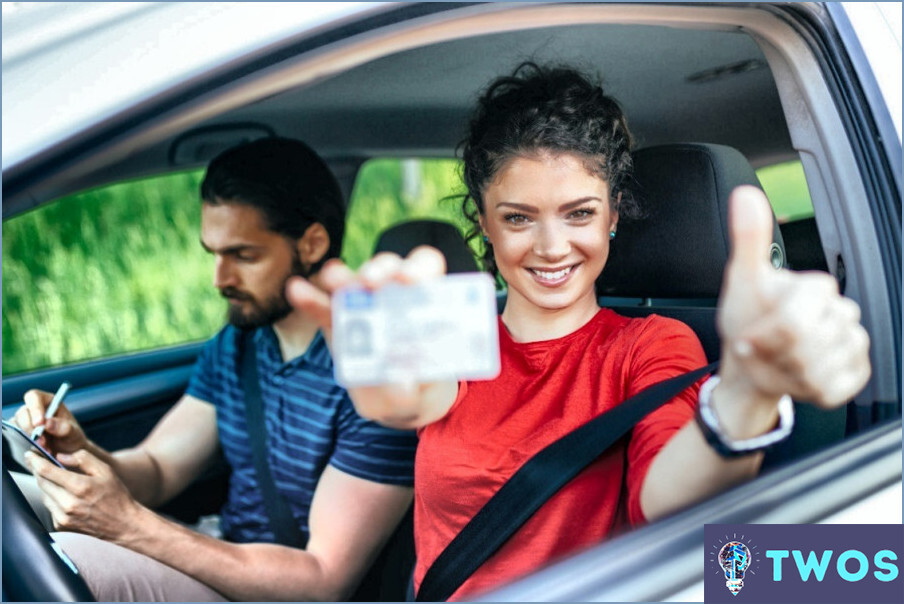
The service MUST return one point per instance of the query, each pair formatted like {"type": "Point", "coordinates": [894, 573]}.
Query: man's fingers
{"type": "Point", "coordinates": [36, 403]}
{"type": "Point", "coordinates": [59, 428]}
{"type": "Point", "coordinates": [84, 462]}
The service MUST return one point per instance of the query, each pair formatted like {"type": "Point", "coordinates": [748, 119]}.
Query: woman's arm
{"type": "Point", "coordinates": [782, 333]}
{"type": "Point", "coordinates": [402, 406]}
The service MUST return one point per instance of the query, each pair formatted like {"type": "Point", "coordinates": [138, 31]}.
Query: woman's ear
{"type": "Point", "coordinates": [313, 245]}
{"type": "Point", "coordinates": [483, 228]}
{"type": "Point", "coordinates": [613, 213]}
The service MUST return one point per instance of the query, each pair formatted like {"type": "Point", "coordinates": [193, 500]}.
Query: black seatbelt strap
{"type": "Point", "coordinates": [282, 521]}
{"type": "Point", "coordinates": [538, 480]}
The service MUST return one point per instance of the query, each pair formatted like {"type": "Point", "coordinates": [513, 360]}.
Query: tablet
{"type": "Point", "coordinates": [19, 442]}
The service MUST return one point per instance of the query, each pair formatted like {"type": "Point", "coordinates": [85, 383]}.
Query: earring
{"type": "Point", "coordinates": [611, 234]}
{"type": "Point", "coordinates": [486, 239]}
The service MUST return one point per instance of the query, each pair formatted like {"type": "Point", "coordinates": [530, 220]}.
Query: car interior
{"type": "Point", "coordinates": [712, 94]}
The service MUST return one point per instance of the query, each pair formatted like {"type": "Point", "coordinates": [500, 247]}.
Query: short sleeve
{"type": "Point", "coordinates": [203, 382]}
{"type": "Point", "coordinates": [664, 349]}
{"type": "Point", "coordinates": [373, 452]}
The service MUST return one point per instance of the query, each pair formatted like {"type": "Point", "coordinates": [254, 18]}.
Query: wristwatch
{"type": "Point", "coordinates": [729, 447]}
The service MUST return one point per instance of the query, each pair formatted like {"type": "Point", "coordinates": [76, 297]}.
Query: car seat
{"type": "Point", "coordinates": [444, 236]}
{"type": "Point", "coordinates": [671, 262]}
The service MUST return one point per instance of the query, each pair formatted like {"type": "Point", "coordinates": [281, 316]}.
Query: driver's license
{"type": "Point", "coordinates": [442, 329]}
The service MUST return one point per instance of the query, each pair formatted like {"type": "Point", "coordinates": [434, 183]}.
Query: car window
{"type": "Point", "coordinates": [786, 187]}
{"type": "Point", "coordinates": [111, 270]}
{"type": "Point", "coordinates": [388, 191]}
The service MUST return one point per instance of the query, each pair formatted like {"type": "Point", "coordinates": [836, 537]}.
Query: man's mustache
{"type": "Point", "coordinates": [235, 294]}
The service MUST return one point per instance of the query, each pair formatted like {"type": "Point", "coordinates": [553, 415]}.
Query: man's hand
{"type": "Point", "coordinates": [403, 406]}
{"type": "Point", "coordinates": [90, 500]}
{"type": "Point", "coordinates": [62, 433]}
{"type": "Point", "coordinates": [784, 332]}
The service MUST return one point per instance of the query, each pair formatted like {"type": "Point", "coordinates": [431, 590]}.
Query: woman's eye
{"type": "Point", "coordinates": [582, 213]}
{"type": "Point", "coordinates": [515, 218]}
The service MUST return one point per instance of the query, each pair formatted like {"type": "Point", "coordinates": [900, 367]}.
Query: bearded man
{"type": "Point", "coordinates": [270, 209]}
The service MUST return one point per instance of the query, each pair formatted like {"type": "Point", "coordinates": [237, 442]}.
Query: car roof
{"type": "Point", "coordinates": [69, 67]}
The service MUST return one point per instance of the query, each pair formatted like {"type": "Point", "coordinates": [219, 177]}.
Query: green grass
{"type": "Point", "coordinates": [112, 270]}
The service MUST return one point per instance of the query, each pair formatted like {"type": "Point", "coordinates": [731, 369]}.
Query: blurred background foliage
{"type": "Point", "coordinates": [120, 269]}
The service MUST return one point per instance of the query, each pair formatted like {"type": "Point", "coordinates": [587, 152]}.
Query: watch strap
{"type": "Point", "coordinates": [726, 446]}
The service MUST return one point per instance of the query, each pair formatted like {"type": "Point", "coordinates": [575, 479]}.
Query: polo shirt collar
{"type": "Point", "coordinates": [317, 354]}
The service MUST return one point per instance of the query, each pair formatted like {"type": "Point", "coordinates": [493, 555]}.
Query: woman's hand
{"type": "Point", "coordinates": [405, 406]}
{"type": "Point", "coordinates": [783, 332]}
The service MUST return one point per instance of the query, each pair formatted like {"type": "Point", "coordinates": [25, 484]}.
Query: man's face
{"type": "Point", "coordinates": [252, 263]}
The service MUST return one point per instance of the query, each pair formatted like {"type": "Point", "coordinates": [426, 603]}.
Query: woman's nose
{"type": "Point", "coordinates": [551, 242]}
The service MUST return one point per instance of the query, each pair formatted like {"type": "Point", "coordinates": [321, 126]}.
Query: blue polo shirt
{"type": "Point", "coordinates": [310, 423]}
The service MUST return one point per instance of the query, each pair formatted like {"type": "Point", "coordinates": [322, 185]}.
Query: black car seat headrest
{"type": "Point", "coordinates": [680, 248]}
{"type": "Point", "coordinates": [444, 236]}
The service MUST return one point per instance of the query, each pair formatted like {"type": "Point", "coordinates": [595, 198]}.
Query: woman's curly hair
{"type": "Point", "coordinates": [553, 109]}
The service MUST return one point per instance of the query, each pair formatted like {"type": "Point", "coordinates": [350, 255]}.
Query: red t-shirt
{"type": "Point", "coordinates": [546, 389]}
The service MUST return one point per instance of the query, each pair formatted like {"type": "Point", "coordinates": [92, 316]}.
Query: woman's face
{"type": "Point", "coordinates": [548, 219]}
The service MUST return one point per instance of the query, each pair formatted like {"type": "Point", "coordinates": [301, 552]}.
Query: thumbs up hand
{"type": "Point", "coordinates": [784, 332]}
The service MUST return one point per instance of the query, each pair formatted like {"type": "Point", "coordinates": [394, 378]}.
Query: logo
{"type": "Point", "coordinates": [803, 563]}
{"type": "Point", "coordinates": [734, 558]}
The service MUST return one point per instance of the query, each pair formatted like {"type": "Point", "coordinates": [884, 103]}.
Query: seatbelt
{"type": "Point", "coordinates": [282, 521]}
{"type": "Point", "coordinates": [538, 480]}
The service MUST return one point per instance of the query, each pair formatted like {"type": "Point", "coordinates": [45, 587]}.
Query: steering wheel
{"type": "Point", "coordinates": [32, 570]}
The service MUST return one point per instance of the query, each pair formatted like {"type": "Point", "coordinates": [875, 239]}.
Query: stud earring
{"type": "Point", "coordinates": [486, 239]}
{"type": "Point", "coordinates": [611, 234]}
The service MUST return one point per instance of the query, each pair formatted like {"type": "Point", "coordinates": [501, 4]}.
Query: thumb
{"type": "Point", "coordinates": [83, 461]}
{"type": "Point", "coordinates": [58, 427]}
{"type": "Point", "coordinates": [750, 231]}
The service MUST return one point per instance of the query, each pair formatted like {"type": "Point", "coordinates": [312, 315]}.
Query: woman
{"type": "Point", "coordinates": [548, 169]}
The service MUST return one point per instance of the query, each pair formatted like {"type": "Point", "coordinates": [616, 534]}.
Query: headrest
{"type": "Point", "coordinates": [444, 236]}
{"type": "Point", "coordinates": [680, 248]}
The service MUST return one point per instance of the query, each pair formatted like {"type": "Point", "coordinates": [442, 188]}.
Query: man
{"type": "Point", "coordinates": [271, 210]}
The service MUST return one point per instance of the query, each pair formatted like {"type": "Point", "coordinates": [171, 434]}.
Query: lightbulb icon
{"type": "Point", "coordinates": [734, 558]}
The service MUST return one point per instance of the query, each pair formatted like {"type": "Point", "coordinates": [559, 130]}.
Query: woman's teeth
{"type": "Point", "coordinates": [552, 276]}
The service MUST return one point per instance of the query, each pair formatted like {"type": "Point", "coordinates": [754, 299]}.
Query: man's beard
{"type": "Point", "coordinates": [267, 312]}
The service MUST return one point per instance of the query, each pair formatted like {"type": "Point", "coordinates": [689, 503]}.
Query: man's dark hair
{"type": "Point", "coordinates": [553, 109]}
{"type": "Point", "coordinates": [286, 181]}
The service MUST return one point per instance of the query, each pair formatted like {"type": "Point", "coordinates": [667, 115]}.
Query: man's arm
{"type": "Point", "coordinates": [350, 520]}
{"type": "Point", "coordinates": [182, 444]}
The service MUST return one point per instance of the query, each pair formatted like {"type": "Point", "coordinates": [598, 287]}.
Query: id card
{"type": "Point", "coordinates": [443, 329]}
{"type": "Point", "coordinates": [19, 442]}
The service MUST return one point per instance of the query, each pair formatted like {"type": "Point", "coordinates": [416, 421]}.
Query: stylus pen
{"type": "Point", "coordinates": [52, 409]}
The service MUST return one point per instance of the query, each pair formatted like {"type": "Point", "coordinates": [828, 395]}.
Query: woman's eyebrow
{"type": "Point", "coordinates": [578, 202]}
{"type": "Point", "coordinates": [522, 207]}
